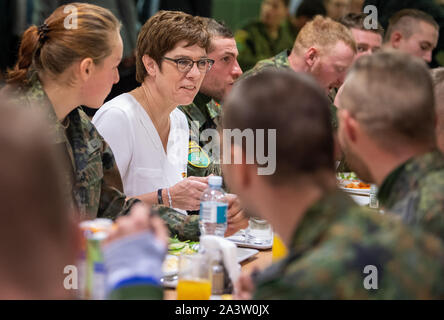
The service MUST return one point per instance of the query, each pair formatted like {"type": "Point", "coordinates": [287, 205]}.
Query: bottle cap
{"type": "Point", "coordinates": [215, 181]}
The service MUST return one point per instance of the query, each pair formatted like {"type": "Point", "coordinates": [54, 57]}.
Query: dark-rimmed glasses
{"type": "Point", "coordinates": [185, 65]}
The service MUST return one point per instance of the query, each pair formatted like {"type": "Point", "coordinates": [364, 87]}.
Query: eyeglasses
{"type": "Point", "coordinates": [185, 65]}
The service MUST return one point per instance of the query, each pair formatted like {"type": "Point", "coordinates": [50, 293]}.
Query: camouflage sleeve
{"type": "Point", "coordinates": [430, 206]}
{"type": "Point", "coordinates": [182, 226]}
{"type": "Point", "coordinates": [247, 55]}
{"type": "Point", "coordinates": [112, 199]}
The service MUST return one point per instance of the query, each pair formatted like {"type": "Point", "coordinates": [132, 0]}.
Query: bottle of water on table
{"type": "Point", "coordinates": [213, 209]}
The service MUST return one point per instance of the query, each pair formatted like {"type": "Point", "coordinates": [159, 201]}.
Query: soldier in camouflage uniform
{"type": "Point", "coordinates": [337, 250]}
{"type": "Point", "coordinates": [205, 111]}
{"type": "Point", "coordinates": [403, 160]}
{"type": "Point", "coordinates": [314, 37]}
{"type": "Point", "coordinates": [265, 37]}
{"type": "Point", "coordinates": [202, 114]}
{"type": "Point", "coordinates": [92, 180]}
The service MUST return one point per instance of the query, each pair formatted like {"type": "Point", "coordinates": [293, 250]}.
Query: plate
{"type": "Point", "coordinates": [244, 254]}
{"type": "Point", "coordinates": [239, 240]}
{"type": "Point", "coordinates": [362, 192]}
{"type": "Point", "coordinates": [170, 266]}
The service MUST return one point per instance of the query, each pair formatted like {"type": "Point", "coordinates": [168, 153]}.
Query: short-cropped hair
{"type": "Point", "coordinates": [297, 108]}
{"type": "Point", "coordinates": [324, 33]}
{"type": "Point", "coordinates": [163, 31]}
{"type": "Point", "coordinates": [391, 94]}
{"type": "Point", "coordinates": [356, 21]}
{"type": "Point", "coordinates": [406, 22]}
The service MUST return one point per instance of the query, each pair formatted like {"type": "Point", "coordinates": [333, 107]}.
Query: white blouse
{"type": "Point", "coordinates": [137, 147]}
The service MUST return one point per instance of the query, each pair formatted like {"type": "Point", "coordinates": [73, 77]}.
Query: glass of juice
{"type": "Point", "coordinates": [194, 277]}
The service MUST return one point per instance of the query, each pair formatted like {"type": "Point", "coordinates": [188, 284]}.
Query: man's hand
{"type": "Point", "coordinates": [235, 216]}
{"type": "Point", "coordinates": [138, 220]}
{"type": "Point", "coordinates": [244, 288]}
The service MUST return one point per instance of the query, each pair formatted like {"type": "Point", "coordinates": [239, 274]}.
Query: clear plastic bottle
{"type": "Point", "coordinates": [213, 209]}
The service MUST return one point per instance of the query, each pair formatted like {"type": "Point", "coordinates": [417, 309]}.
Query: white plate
{"type": "Point", "coordinates": [245, 254]}
{"type": "Point", "coordinates": [170, 265]}
{"type": "Point", "coordinates": [363, 192]}
{"type": "Point", "coordinates": [239, 240]}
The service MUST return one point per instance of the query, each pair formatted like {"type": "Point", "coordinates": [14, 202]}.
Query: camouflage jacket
{"type": "Point", "coordinates": [255, 44]}
{"type": "Point", "coordinates": [415, 192]}
{"type": "Point", "coordinates": [337, 240]}
{"type": "Point", "coordinates": [91, 175]}
{"type": "Point", "coordinates": [90, 172]}
{"type": "Point", "coordinates": [202, 114]}
{"type": "Point", "coordinates": [280, 61]}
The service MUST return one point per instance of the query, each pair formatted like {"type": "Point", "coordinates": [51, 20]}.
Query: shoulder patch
{"type": "Point", "coordinates": [197, 157]}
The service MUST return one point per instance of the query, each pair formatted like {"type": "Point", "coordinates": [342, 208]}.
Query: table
{"type": "Point", "coordinates": [258, 262]}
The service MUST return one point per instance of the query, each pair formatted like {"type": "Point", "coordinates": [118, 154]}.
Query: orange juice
{"type": "Point", "coordinates": [193, 290]}
{"type": "Point", "coordinates": [279, 249]}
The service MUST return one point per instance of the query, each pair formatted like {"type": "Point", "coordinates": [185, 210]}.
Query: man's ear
{"type": "Point", "coordinates": [86, 69]}
{"type": "Point", "coordinates": [311, 56]}
{"type": "Point", "coordinates": [149, 64]}
{"type": "Point", "coordinates": [349, 125]}
{"type": "Point", "coordinates": [243, 171]}
{"type": "Point", "coordinates": [395, 39]}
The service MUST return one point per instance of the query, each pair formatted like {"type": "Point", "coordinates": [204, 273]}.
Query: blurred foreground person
{"type": "Point", "coordinates": [414, 32]}
{"type": "Point", "coordinates": [41, 238]}
{"type": "Point", "coordinates": [438, 82]}
{"type": "Point", "coordinates": [387, 132]}
{"type": "Point", "coordinates": [331, 240]}
{"type": "Point", "coordinates": [37, 238]}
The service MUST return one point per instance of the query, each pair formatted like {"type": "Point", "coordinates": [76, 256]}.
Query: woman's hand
{"type": "Point", "coordinates": [186, 194]}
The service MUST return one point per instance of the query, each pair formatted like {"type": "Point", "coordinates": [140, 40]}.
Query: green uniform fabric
{"type": "Point", "coordinates": [137, 292]}
{"type": "Point", "coordinates": [255, 44]}
{"type": "Point", "coordinates": [333, 244]}
{"type": "Point", "coordinates": [185, 227]}
{"type": "Point", "coordinates": [204, 113]}
{"type": "Point", "coordinates": [90, 172]}
{"type": "Point", "coordinates": [279, 61]}
{"type": "Point", "coordinates": [91, 177]}
{"type": "Point", "coordinates": [415, 192]}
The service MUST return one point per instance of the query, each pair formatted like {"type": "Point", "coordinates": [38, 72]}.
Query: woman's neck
{"type": "Point", "coordinates": [155, 105]}
{"type": "Point", "coordinates": [64, 99]}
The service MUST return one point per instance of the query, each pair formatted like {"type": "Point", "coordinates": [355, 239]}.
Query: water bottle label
{"type": "Point", "coordinates": [222, 213]}
{"type": "Point", "coordinates": [214, 213]}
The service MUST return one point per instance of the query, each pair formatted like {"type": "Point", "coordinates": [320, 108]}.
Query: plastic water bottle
{"type": "Point", "coordinates": [213, 209]}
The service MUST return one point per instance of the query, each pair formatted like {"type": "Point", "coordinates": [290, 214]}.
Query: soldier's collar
{"type": "Point", "coordinates": [40, 102]}
{"type": "Point", "coordinates": [318, 219]}
{"type": "Point", "coordinates": [416, 166]}
{"type": "Point", "coordinates": [201, 99]}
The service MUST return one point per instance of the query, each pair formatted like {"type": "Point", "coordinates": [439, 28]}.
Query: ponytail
{"type": "Point", "coordinates": [28, 46]}
{"type": "Point", "coordinates": [52, 48]}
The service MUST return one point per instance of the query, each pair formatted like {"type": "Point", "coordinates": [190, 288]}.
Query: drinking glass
{"type": "Point", "coordinates": [194, 277]}
{"type": "Point", "coordinates": [259, 232]}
